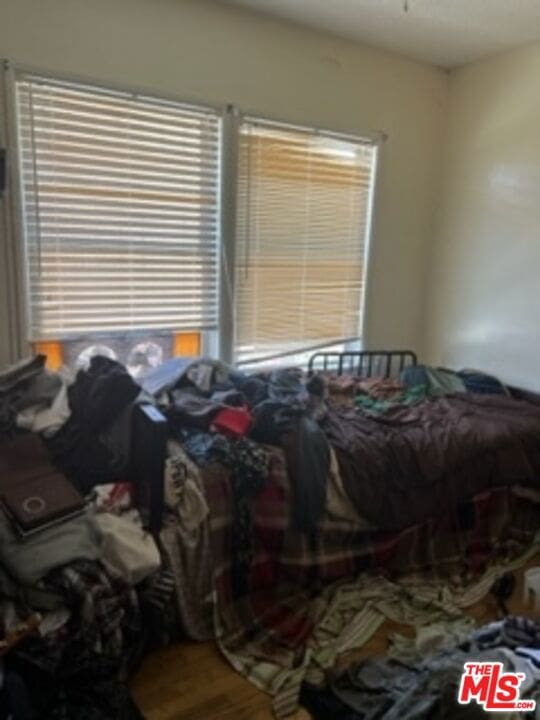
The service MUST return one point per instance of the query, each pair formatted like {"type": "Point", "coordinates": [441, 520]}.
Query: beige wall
{"type": "Point", "coordinates": [200, 50]}
{"type": "Point", "coordinates": [483, 304]}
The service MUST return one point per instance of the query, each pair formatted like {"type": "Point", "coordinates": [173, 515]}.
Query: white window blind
{"type": "Point", "coordinates": [303, 211]}
{"type": "Point", "coordinates": [120, 196]}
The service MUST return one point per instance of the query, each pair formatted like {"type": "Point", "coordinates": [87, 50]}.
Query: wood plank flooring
{"type": "Point", "coordinates": [192, 681]}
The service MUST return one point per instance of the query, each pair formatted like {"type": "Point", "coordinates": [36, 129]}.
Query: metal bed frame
{"type": "Point", "coordinates": [363, 363]}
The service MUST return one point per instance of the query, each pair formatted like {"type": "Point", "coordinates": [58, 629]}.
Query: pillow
{"type": "Point", "coordinates": [481, 383]}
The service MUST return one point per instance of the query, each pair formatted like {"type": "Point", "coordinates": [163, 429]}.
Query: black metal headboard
{"type": "Point", "coordinates": [364, 363]}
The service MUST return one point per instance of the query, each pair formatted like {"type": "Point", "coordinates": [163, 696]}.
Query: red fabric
{"type": "Point", "coordinates": [232, 421]}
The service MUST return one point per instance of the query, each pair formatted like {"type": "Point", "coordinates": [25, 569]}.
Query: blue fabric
{"type": "Point", "coordinates": [480, 383]}
{"type": "Point", "coordinates": [473, 380]}
{"type": "Point", "coordinates": [414, 375]}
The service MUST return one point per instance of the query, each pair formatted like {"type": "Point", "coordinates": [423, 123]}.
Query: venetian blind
{"type": "Point", "coordinates": [120, 196]}
{"type": "Point", "coordinates": [302, 223]}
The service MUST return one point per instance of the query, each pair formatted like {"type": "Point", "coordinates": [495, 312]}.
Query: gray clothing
{"type": "Point", "coordinates": [30, 560]}
{"type": "Point", "coordinates": [427, 690]}
{"type": "Point", "coordinates": [25, 385]}
{"type": "Point", "coordinates": [201, 373]}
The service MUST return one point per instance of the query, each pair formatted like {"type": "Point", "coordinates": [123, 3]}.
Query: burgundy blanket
{"type": "Point", "coordinates": [412, 463]}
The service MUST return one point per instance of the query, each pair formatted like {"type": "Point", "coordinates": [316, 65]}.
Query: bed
{"type": "Point", "coordinates": [261, 597]}
{"type": "Point", "coordinates": [249, 577]}
{"type": "Point", "coordinates": [402, 456]}
{"type": "Point", "coordinates": [397, 467]}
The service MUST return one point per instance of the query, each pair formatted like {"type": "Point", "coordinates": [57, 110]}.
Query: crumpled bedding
{"type": "Point", "coordinates": [410, 463]}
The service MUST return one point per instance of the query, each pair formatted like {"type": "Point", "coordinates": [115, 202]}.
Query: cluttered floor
{"type": "Point", "coordinates": [288, 596]}
{"type": "Point", "coordinates": [193, 681]}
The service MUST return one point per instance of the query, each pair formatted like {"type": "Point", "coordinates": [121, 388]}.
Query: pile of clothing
{"type": "Point", "coordinates": [263, 489]}
{"type": "Point", "coordinates": [93, 583]}
{"type": "Point", "coordinates": [102, 595]}
{"type": "Point", "coordinates": [219, 414]}
{"type": "Point", "coordinates": [84, 417]}
{"type": "Point", "coordinates": [222, 422]}
{"type": "Point", "coordinates": [406, 686]}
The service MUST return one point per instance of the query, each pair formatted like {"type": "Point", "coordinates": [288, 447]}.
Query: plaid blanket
{"type": "Point", "coordinates": [275, 619]}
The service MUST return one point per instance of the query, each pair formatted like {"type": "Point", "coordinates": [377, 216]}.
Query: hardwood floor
{"type": "Point", "coordinates": [192, 681]}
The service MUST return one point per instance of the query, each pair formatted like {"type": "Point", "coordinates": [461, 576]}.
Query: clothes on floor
{"type": "Point", "coordinates": [346, 616]}
{"type": "Point", "coordinates": [435, 636]}
{"type": "Point", "coordinates": [426, 688]}
{"type": "Point", "coordinates": [104, 618]}
{"type": "Point", "coordinates": [159, 618]}
{"type": "Point", "coordinates": [382, 689]}
{"type": "Point", "coordinates": [80, 575]}
{"type": "Point", "coordinates": [89, 693]}
{"type": "Point", "coordinates": [322, 704]}
{"type": "Point", "coordinates": [77, 669]}
{"type": "Point", "coordinates": [91, 577]}
{"type": "Point", "coordinates": [512, 632]}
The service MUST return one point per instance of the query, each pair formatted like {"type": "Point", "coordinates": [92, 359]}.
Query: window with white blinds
{"type": "Point", "coordinates": [120, 196]}
{"type": "Point", "coordinates": [303, 213]}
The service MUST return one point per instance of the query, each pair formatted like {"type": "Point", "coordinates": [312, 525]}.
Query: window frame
{"type": "Point", "coordinates": [376, 140]}
{"type": "Point", "coordinates": [20, 305]}
{"type": "Point", "coordinates": [15, 292]}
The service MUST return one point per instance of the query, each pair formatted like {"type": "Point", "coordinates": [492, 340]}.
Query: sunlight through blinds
{"type": "Point", "coordinates": [120, 196]}
{"type": "Point", "coordinates": [303, 214]}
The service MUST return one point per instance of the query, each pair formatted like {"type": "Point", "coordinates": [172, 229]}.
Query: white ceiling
{"type": "Point", "coordinates": [442, 32]}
